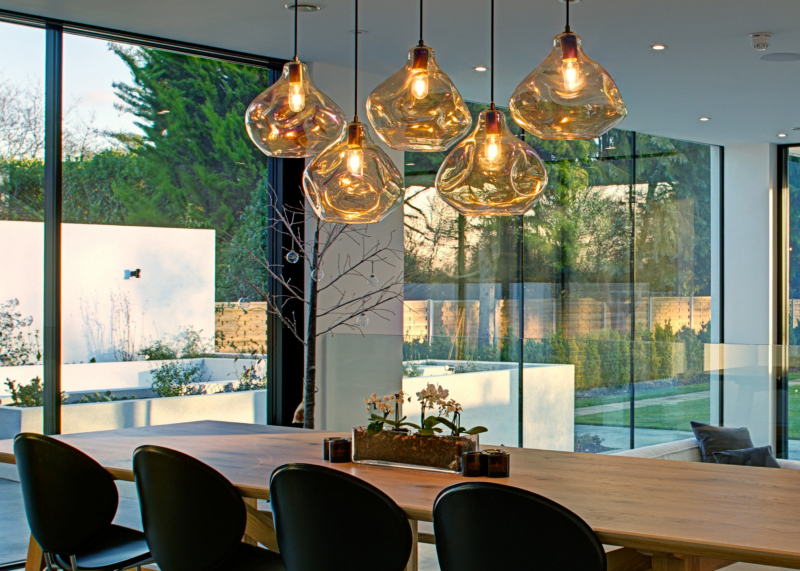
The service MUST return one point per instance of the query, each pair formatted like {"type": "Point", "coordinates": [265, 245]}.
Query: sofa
{"type": "Point", "coordinates": [685, 450]}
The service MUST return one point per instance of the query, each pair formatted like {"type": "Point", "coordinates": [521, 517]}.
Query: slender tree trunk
{"type": "Point", "coordinates": [310, 389]}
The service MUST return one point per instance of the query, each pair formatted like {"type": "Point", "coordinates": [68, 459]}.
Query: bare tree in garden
{"type": "Point", "coordinates": [346, 308]}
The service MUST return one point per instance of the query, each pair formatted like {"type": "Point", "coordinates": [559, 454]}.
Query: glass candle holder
{"type": "Point", "coordinates": [484, 459]}
{"type": "Point", "coordinates": [326, 446]}
{"type": "Point", "coordinates": [340, 450]}
{"type": "Point", "coordinates": [498, 464]}
{"type": "Point", "coordinates": [471, 464]}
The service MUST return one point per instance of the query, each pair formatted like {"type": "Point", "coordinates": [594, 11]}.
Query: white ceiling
{"type": "Point", "coordinates": [709, 69]}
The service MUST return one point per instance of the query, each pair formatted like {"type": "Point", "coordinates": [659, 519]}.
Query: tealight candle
{"type": "Point", "coordinates": [498, 464]}
{"type": "Point", "coordinates": [485, 459]}
{"type": "Point", "coordinates": [326, 447]}
{"type": "Point", "coordinates": [471, 464]}
{"type": "Point", "coordinates": [340, 450]}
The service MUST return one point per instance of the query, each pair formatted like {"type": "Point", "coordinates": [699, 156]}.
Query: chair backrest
{"type": "Point", "coordinates": [193, 517]}
{"type": "Point", "coordinates": [482, 525]}
{"type": "Point", "coordinates": [327, 520]}
{"type": "Point", "coordinates": [69, 498]}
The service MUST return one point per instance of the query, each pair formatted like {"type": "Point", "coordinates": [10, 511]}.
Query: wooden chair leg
{"type": "Point", "coordinates": [413, 560]}
{"type": "Point", "coordinates": [260, 527]}
{"type": "Point", "coordinates": [35, 561]}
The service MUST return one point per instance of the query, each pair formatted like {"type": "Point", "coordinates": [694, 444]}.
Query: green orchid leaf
{"type": "Point", "coordinates": [430, 422]}
{"type": "Point", "coordinates": [425, 432]}
{"type": "Point", "coordinates": [447, 423]}
{"type": "Point", "coordinates": [477, 430]}
{"type": "Point", "coordinates": [374, 428]}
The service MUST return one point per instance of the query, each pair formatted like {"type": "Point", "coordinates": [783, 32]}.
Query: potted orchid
{"type": "Point", "coordinates": [389, 440]}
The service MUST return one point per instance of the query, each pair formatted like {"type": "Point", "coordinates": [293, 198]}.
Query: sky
{"type": "Point", "coordinates": [89, 71]}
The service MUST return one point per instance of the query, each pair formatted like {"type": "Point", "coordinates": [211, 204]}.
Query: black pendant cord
{"type": "Point", "coordinates": [295, 30]}
{"type": "Point", "coordinates": [420, 23]}
{"type": "Point", "coordinates": [567, 2]}
{"type": "Point", "coordinates": [355, 69]}
{"type": "Point", "coordinates": [492, 59]}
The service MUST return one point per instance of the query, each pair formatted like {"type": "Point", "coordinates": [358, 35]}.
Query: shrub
{"type": "Point", "coordinates": [158, 351]}
{"type": "Point", "coordinates": [28, 395]}
{"type": "Point", "coordinates": [106, 397]}
{"type": "Point", "coordinates": [177, 378]}
{"type": "Point", "coordinates": [250, 379]}
{"type": "Point", "coordinates": [411, 370]}
{"type": "Point", "coordinates": [18, 344]}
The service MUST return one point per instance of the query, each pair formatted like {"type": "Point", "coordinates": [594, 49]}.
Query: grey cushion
{"type": "Point", "coordinates": [761, 457]}
{"type": "Point", "coordinates": [719, 439]}
{"type": "Point", "coordinates": [685, 450]}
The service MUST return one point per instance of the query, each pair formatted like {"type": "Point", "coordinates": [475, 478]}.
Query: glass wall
{"type": "Point", "coordinates": [22, 66]}
{"type": "Point", "coordinates": [617, 273]}
{"type": "Point", "coordinates": [164, 238]}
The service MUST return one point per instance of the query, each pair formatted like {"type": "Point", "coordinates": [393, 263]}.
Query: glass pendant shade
{"type": "Point", "coordinates": [569, 96]}
{"type": "Point", "coordinates": [491, 172]}
{"type": "Point", "coordinates": [418, 108]}
{"type": "Point", "coordinates": [353, 181]}
{"type": "Point", "coordinates": [292, 118]}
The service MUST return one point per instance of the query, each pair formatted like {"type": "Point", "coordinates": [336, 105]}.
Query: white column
{"type": "Point", "coordinates": [349, 370]}
{"type": "Point", "coordinates": [749, 305]}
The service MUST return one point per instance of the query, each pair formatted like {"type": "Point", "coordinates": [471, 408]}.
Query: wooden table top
{"type": "Point", "coordinates": [709, 510]}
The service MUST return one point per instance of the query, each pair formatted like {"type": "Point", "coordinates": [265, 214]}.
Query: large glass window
{"type": "Point", "coordinates": [616, 301]}
{"type": "Point", "coordinates": [164, 234]}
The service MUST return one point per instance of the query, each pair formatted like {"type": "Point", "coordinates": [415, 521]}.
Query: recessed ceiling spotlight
{"type": "Point", "coordinates": [480, 68]}
{"type": "Point", "coordinates": [659, 47]}
{"type": "Point", "coordinates": [410, 164]}
{"type": "Point", "coordinates": [780, 58]}
{"type": "Point", "coordinates": [781, 135]}
{"type": "Point", "coordinates": [304, 7]}
{"type": "Point", "coordinates": [705, 118]}
{"type": "Point", "coordinates": [795, 128]}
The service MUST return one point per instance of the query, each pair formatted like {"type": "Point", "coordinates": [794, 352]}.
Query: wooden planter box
{"type": "Point", "coordinates": [408, 450]}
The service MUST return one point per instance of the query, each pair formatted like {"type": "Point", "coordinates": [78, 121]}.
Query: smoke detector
{"type": "Point", "coordinates": [761, 40]}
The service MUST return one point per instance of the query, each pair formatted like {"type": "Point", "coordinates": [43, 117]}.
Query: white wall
{"type": "Point", "coordinates": [750, 304]}
{"type": "Point", "coordinates": [175, 292]}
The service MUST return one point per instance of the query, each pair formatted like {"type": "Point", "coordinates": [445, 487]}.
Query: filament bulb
{"type": "Point", "coordinates": [571, 73]}
{"type": "Point", "coordinates": [419, 87]}
{"type": "Point", "coordinates": [492, 152]}
{"type": "Point", "coordinates": [355, 162]}
{"type": "Point", "coordinates": [297, 97]}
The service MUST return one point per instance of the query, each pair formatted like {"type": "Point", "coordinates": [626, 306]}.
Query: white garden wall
{"type": "Point", "coordinates": [175, 291]}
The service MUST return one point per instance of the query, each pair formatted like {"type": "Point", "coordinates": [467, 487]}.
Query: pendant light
{"type": "Point", "coordinates": [491, 172]}
{"type": "Point", "coordinates": [569, 96]}
{"type": "Point", "coordinates": [292, 118]}
{"type": "Point", "coordinates": [353, 181]}
{"type": "Point", "coordinates": [419, 108]}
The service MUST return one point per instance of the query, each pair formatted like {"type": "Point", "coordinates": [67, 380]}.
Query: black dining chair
{"type": "Point", "coordinates": [327, 520]}
{"type": "Point", "coordinates": [194, 518]}
{"type": "Point", "coordinates": [70, 501]}
{"type": "Point", "coordinates": [482, 525]}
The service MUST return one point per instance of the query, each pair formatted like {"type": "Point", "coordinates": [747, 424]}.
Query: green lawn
{"type": "Point", "coordinates": [665, 417]}
{"type": "Point", "coordinates": [677, 416]}
{"type": "Point", "coordinates": [580, 403]}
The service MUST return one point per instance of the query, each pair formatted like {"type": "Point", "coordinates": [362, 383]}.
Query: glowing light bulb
{"type": "Point", "coordinates": [355, 162]}
{"type": "Point", "coordinates": [419, 88]}
{"type": "Point", "coordinates": [297, 99]}
{"type": "Point", "coordinates": [571, 72]}
{"type": "Point", "coordinates": [492, 152]}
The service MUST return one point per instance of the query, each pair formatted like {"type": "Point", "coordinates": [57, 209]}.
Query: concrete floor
{"type": "Point", "coordinates": [14, 530]}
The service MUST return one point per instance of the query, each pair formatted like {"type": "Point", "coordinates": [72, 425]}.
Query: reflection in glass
{"type": "Point", "coordinates": [353, 181]}
{"type": "Point", "coordinates": [292, 118]}
{"type": "Point", "coordinates": [569, 96]}
{"type": "Point", "coordinates": [418, 108]}
{"type": "Point", "coordinates": [491, 172]}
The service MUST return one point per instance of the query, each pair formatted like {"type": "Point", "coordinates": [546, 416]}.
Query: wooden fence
{"type": "Point", "coordinates": [575, 317]}
{"type": "Point", "coordinates": [245, 331]}
{"type": "Point", "coordinates": [239, 330]}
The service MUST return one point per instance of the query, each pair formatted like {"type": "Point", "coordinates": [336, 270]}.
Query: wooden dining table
{"type": "Point", "coordinates": [663, 515]}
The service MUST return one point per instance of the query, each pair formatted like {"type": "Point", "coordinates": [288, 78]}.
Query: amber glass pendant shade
{"type": "Point", "coordinates": [569, 96]}
{"type": "Point", "coordinates": [292, 118]}
{"type": "Point", "coordinates": [491, 172]}
{"type": "Point", "coordinates": [418, 108]}
{"type": "Point", "coordinates": [353, 181]}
